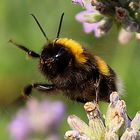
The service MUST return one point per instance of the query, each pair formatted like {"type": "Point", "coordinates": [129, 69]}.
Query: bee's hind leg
{"type": "Point", "coordinates": [97, 90]}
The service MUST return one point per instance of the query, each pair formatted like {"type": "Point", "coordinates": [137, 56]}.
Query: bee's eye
{"type": "Point", "coordinates": [60, 53]}
{"type": "Point", "coordinates": [56, 56]}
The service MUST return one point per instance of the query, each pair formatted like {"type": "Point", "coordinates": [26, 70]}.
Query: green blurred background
{"type": "Point", "coordinates": [16, 70]}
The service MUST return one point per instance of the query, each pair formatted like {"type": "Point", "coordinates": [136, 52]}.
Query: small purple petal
{"type": "Point", "coordinates": [32, 105]}
{"type": "Point", "coordinates": [78, 2]}
{"type": "Point", "coordinates": [19, 128]}
{"type": "Point", "coordinates": [81, 16]}
{"type": "Point", "coordinates": [92, 27]}
{"type": "Point", "coordinates": [89, 7]}
{"type": "Point", "coordinates": [88, 27]}
{"type": "Point", "coordinates": [84, 3]}
{"type": "Point", "coordinates": [59, 109]}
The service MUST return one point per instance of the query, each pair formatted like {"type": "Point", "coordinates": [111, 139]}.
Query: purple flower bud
{"type": "Point", "coordinates": [124, 36]}
{"type": "Point", "coordinates": [121, 13]}
{"type": "Point", "coordinates": [130, 26]}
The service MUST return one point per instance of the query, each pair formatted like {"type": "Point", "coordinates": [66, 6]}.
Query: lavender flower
{"type": "Point", "coordinates": [99, 15]}
{"type": "Point", "coordinates": [37, 118]}
{"type": "Point", "coordinates": [114, 126]}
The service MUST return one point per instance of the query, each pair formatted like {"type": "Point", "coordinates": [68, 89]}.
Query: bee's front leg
{"type": "Point", "coordinates": [38, 86]}
{"type": "Point", "coordinates": [29, 52]}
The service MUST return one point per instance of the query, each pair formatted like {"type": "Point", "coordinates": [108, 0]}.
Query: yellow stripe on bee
{"type": "Point", "coordinates": [74, 47]}
{"type": "Point", "coordinates": [102, 65]}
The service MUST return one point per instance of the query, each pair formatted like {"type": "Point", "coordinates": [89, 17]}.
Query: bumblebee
{"type": "Point", "coordinates": [70, 68]}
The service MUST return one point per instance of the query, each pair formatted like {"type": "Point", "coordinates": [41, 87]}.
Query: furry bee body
{"type": "Point", "coordinates": [75, 71]}
{"type": "Point", "coordinates": [71, 69]}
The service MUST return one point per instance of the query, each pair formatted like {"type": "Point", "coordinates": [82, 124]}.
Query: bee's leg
{"type": "Point", "coordinates": [38, 86]}
{"type": "Point", "coordinates": [29, 52]}
{"type": "Point", "coordinates": [97, 89]}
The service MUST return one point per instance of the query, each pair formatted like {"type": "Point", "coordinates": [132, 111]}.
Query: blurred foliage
{"type": "Point", "coordinates": [16, 71]}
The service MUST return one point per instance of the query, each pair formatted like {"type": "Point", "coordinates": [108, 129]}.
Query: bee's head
{"type": "Point", "coordinates": [54, 59]}
{"type": "Point", "coordinates": [57, 55]}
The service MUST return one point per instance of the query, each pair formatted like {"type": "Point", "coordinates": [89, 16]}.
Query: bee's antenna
{"type": "Point", "coordinates": [60, 24]}
{"type": "Point", "coordinates": [40, 26]}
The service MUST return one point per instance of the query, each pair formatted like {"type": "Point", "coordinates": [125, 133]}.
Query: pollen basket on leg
{"type": "Point", "coordinates": [74, 47]}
